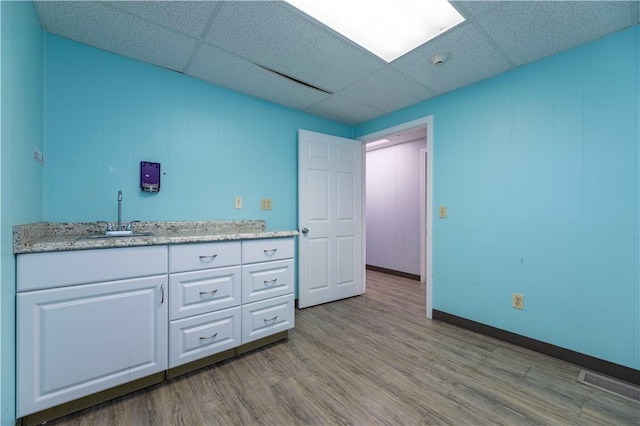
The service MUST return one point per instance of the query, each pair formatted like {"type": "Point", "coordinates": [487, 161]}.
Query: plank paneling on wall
{"type": "Point", "coordinates": [393, 207]}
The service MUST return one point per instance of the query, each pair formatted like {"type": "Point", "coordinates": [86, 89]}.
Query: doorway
{"type": "Point", "coordinates": [402, 134]}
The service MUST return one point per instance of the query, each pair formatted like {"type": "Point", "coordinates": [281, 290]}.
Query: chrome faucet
{"type": "Point", "coordinates": [119, 228]}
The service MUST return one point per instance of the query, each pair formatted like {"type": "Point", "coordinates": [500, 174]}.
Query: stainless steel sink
{"type": "Point", "coordinates": [109, 236]}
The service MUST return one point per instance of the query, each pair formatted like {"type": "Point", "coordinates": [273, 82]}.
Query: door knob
{"type": "Point", "coordinates": [305, 231]}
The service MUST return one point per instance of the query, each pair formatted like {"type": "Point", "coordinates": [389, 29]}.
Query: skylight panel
{"type": "Point", "coordinates": [387, 28]}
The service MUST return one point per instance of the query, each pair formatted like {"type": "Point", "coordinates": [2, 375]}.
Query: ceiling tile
{"type": "Point", "coordinates": [115, 31]}
{"type": "Point", "coordinates": [276, 35]}
{"type": "Point", "coordinates": [529, 30]}
{"type": "Point", "coordinates": [344, 110]}
{"type": "Point", "coordinates": [497, 36]}
{"type": "Point", "coordinates": [176, 15]}
{"type": "Point", "coordinates": [387, 90]}
{"type": "Point", "coordinates": [225, 69]}
{"type": "Point", "coordinates": [473, 59]}
{"type": "Point", "coordinates": [474, 7]}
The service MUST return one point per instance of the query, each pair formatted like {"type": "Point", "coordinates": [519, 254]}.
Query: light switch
{"type": "Point", "coordinates": [442, 211]}
{"type": "Point", "coordinates": [265, 204]}
{"type": "Point", "coordinates": [238, 203]}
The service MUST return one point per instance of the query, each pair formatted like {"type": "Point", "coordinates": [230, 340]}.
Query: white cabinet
{"type": "Point", "coordinates": [267, 317]}
{"type": "Point", "coordinates": [64, 268]}
{"type": "Point", "coordinates": [200, 292]}
{"type": "Point", "coordinates": [269, 279]}
{"type": "Point", "coordinates": [205, 288]}
{"type": "Point", "coordinates": [79, 339]}
{"type": "Point", "coordinates": [266, 250]}
{"type": "Point", "coordinates": [203, 335]}
{"type": "Point", "coordinates": [89, 320]}
{"type": "Point", "coordinates": [193, 257]}
{"type": "Point", "coordinates": [267, 287]}
{"type": "Point", "coordinates": [227, 294]}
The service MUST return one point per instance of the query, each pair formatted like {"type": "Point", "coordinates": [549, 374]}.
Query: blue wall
{"type": "Point", "coordinates": [21, 112]}
{"type": "Point", "coordinates": [539, 169]}
{"type": "Point", "coordinates": [106, 113]}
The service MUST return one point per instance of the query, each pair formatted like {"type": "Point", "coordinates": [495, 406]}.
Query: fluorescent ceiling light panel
{"type": "Point", "coordinates": [387, 28]}
{"type": "Point", "coordinates": [380, 143]}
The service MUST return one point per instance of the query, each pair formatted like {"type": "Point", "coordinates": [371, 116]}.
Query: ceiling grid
{"type": "Point", "coordinates": [222, 41]}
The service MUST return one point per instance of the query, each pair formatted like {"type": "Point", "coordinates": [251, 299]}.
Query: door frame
{"type": "Point", "coordinates": [426, 259]}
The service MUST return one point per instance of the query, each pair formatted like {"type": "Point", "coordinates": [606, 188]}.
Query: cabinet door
{"type": "Point", "coordinates": [74, 341]}
{"type": "Point", "coordinates": [266, 250]}
{"type": "Point", "coordinates": [199, 292]}
{"type": "Point", "coordinates": [267, 317]}
{"type": "Point", "coordinates": [264, 280]}
{"type": "Point", "coordinates": [37, 271]}
{"type": "Point", "coordinates": [202, 335]}
{"type": "Point", "coordinates": [192, 257]}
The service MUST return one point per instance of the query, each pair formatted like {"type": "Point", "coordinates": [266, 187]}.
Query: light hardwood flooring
{"type": "Point", "coordinates": [369, 360]}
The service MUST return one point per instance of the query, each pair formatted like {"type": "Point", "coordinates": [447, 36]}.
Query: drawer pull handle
{"type": "Point", "coordinates": [270, 282]}
{"type": "Point", "coordinates": [208, 258]}
{"type": "Point", "coordinates": [208, 293]}
{"type": "Point", "coordinates": [270, 252]}
{"type": "Point", "coordinates": [210, 337]}
{"type": "Point", "coordinates": [271, 319]}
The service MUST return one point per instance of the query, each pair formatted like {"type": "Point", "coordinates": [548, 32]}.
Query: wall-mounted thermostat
{"type": "Point", "coordinates": [149, 176]}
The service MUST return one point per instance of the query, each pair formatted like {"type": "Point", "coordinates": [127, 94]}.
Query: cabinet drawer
{"type": "Point", "coordinates": [261, 319]}
{"type": "Point", "coordinates": [62, 268]}
{"type": "Point", "coordinates": [191, 257]}
{"type": "Point", "coordinates": [254, 251]}
{"type": "Point", "coordinates": [264, 280]}
{"type": "Point", "coordinates": [203, 335]}
{"type": "Point", "coordinates": [199, 292]}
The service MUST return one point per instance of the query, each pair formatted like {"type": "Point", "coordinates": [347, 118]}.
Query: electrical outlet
{"type": "Point", "coordinates": [442, 211]}
{"type": "Point", "coordinates": [517, 301]}
{"type": "Point", "coordinates": [238, 203]}
{"type": "Point", "coordinates": [265, 204]}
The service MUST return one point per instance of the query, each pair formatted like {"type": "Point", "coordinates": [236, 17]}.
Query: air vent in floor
{"type": "Point", "coordinates": [610, 385]}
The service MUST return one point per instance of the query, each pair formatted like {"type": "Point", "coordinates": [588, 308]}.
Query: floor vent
{"type": "Point", "coordinates": [610, 385]}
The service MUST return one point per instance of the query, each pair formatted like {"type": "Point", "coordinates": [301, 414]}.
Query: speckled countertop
{"type": "Point", "coordinates": [46, 236]}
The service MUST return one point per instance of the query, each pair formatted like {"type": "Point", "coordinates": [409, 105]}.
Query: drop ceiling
{"type": "Point", "coordinates": [253, 46]}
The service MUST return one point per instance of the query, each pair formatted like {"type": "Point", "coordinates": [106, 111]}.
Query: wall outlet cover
{"type": "Point", "coordinates": [442, 211]}
{"type": "Point", "coordinates": [265, 204]}
{"type": "Point", "coordinates": [517, 301]}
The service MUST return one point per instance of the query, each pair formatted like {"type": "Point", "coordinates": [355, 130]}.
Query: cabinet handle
{"type": "Point", "coordinates": [270, 282]}
{"type": "Point", "coordinates": [270, 252]}
{"type": "Point", "coordinates": [208, 258]}
{"type": "Point", "coordinates": [210, 337]}
{"type": "Point", "coordinates": [271, 319]}
{"type": "Point", "coordinates": [208, 293]}
{"type": "Point", "coordinates": [162, 294]}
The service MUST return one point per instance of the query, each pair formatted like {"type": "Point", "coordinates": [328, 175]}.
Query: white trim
{"type": "Point", "coordinates": [429, 216]}
{"type": "Point", "coordinates": [363, 212]}
{"type": "Point", "coordinates": [428, 122]}
{"type": "Point", "coordinates": [423, 214]}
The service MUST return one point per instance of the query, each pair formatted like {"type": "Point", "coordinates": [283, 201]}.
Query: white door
{"type": "Point", "coordinates": [330, 252]}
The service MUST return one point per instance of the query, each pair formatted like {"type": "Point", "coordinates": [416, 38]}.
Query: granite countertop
{"type": "Point", "coordinates": [46, 236]}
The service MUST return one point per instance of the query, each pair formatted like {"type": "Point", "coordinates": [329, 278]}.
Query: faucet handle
{"type": "Point", "coordinates": [109, 225]}
{"type": "Point", "coordinates": [130, 225]}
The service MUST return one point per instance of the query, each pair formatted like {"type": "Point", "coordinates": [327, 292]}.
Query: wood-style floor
{"type": "Point", "coordinates": [368, 360]}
